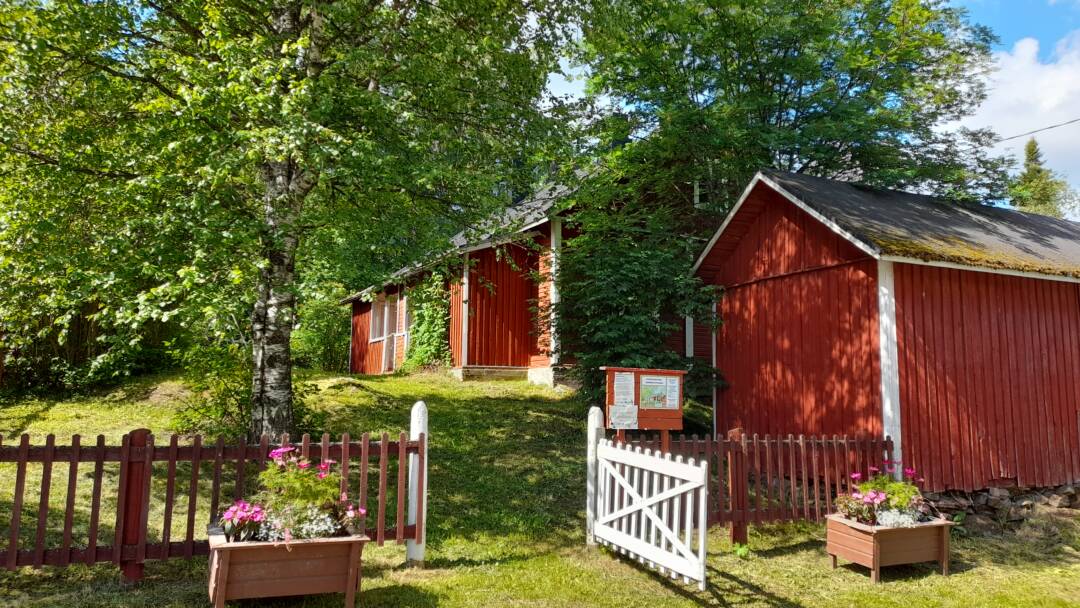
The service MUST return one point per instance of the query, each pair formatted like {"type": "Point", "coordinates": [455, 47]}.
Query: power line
{"type": "Point", "coordinates": [1040, 130]}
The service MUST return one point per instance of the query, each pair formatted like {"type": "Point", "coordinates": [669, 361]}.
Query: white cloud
{"type": "Point", "coordinates": [1027, 94]}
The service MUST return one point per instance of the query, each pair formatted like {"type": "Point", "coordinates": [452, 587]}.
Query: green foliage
{"type": "Point", "coordinates": [298, 483]}
{"type": "Point", "coordinates": [1038, 189]}
{"type": "Point", "coordinates": [958, 518]}
{"type": "Point", "coordinates": [855, 509]}
{"type": "Point", "coordinates": [859, 89]}
{"type": "Point", "coordinates": [625, 281]}
{"type": "Point", "coordinates": [321, 339]}
{"type": "Point", "coordinates": [741, 551]}
{"type": "Point", "coordinates": [429, 341]}
{"type": "Point", "coordinates": [899, 493]}
{"type": "Point", "coordinates": [189, 162]}
{"type": "Point", "coordinates": [219, 377]}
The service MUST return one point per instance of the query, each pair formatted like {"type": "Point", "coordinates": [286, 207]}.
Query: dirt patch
{"type": "Point", "coordinates": [169, 391]}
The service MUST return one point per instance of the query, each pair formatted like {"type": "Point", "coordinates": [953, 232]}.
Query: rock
{"type": "Point", "coordinates": [1067, 490]}
{"type": "Point", "coordinates": [1059, 501]}
{"type": "Point", "coordinates": [1027, 502]}
{"type": "Point", "coordinates": [1016, 514]}
{"type": "Point", "coordinates": [980, 522]}
{"type": "Point", "coordinates": [998, 503]}
{"type": "Point", "coordinates": [999, 493]}
{"type": "Point", "coordinates": [932, 496]}
{"type": "Point", "coordinates": [981, 499]}
{"type": "Point", "coordinates": [949, 504]}
{"type": "Point", "coordinates": [1040, 498]}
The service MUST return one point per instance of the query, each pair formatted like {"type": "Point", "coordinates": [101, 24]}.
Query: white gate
{"type": "Point", "coordinates": [650, 507]}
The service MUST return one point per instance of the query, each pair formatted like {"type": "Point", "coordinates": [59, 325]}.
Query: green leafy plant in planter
{"type": "Point", "coordinates": [298, 500]}
{"type": "Point", "coordinates": [881, 500]}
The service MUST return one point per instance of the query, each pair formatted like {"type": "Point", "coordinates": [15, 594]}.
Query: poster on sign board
{"type": "Point", "coordinates": [659, 392]}
{"type": "Point", "coordinates": [624, 388]}
{"type": "Point", "coordinates": [623, 417]}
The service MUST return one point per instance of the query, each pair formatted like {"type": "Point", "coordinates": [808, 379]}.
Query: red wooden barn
{"type": "Point", "coordinates": [953, 328]}
{"type": "Point", "coordinates": [500, 318]}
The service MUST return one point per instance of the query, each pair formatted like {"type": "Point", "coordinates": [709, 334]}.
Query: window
{"type": "Point", "coordinates": [390, 314]}
{"type": "Point", "coordinates": [378, 326]}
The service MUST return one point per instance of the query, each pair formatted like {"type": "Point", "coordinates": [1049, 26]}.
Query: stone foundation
{"type": "Point", "coordinates": [1001, 505]}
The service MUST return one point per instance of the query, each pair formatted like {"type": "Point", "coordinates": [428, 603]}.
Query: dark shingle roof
{"type": "Point", "coordinates": [528, 213]}
{"type": "Point", "coordinates": [894, 223]}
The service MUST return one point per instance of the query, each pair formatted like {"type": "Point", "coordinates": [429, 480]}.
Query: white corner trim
{"type": "Point", "coordinates": [465, 312]}
{"type": "Point", "coordinates": [1005, 271]}
{"type": "Point", "coordinates": [715, 389]}
{"type": "Point", "coordinates": [889, 358]}
{"type": "Point", "coordinates": [553, 295]}
{"type": "Point", "coordinates": [688, 331]}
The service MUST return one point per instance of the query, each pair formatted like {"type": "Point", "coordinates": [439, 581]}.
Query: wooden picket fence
{"type": "Point", "coordinates": [136, 487]}
{"type": "Point", "coordinates": [763, 479]}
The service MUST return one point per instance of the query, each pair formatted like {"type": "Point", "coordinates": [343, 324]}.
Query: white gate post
{"type": "Point", "coordinates": [414, 549]}
{"type": "Point", "coordinates": [595, 434]}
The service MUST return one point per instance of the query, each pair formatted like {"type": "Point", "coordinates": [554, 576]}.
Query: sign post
{"type": "Point", "coordinates": [645, 400]}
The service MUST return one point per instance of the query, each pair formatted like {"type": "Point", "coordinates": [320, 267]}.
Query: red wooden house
{"type": "Point", "coordinates": [953, 328]}
{"type": "Point", "coordinates": [501, 323]}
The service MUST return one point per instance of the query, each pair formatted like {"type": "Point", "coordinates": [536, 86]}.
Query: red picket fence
{"type": "Point", "coordinates": [136, 487]}
{"type": "Point", "coordinates": [773, 479]}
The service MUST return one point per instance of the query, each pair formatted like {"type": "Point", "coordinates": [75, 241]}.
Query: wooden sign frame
{"type": "Point", "coordinates": [648, 419]}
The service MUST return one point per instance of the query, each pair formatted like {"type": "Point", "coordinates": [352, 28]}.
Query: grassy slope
{"type": "Point", "coordinates": [507, 479]}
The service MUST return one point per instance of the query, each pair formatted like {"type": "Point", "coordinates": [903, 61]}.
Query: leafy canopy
{"type": "Point", "coordinates": [142, 146]}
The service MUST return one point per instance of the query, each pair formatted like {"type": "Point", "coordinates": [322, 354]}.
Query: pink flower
{"type": "Point", "coordinates": [277, 453]}
{"type": "Point", "coordinates": [890, 469]}
{"type": "Point", "coordinates": [856, 476]}
{"type": "Point", "coordinates": [874, 470]}
{"type": "Point", "coordinates": [909, 472]}
{"type": "Point", "coordinates": [324, 465]}
{"type": "Point", "coordinates": [322, 475]}
{"type": "Point", "coordinates": [886, 461]}
{"type": "Point", "coordinates": [303, 464]}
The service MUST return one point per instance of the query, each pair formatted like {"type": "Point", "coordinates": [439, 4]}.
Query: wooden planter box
{"type": "Point", "coordinates": [254, 569]}
{"type": "Point", "coordinates": [877, 546]}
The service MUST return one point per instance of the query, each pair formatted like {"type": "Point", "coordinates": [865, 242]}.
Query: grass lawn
{"type": "Point", "coordinates": [507, 484]}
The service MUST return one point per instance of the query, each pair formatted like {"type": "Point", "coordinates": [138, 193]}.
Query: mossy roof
{"type": "Point", "coordinates": [895, 223]}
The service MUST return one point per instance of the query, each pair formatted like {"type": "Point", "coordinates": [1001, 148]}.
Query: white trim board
{"type": "Point", "coordinates": [889, 358]}
{"type": "Point", "coordinates": [955, 266]}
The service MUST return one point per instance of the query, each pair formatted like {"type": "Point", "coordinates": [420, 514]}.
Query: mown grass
{"type": "Point", "coordinates": [505, 520]}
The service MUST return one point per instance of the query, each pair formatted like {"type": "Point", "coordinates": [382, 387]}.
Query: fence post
{"type": "Point", "coordinates": [595, 433]}
{"type": "Point", "coordinates": [418, 485]}
{"type": "Point", "coordinates": [737, 482]}
{"type": "Point", "coordinates": [132, 495]}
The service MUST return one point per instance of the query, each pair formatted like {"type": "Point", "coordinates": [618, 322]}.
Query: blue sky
{"type": "Point", "coordinates": [1037, 82]}
{"type": "Point", "coordinates": [1044, 20]}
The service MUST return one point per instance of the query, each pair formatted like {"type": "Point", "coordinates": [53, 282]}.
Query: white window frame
{"type": "Point", "coordinates": [378, 306]}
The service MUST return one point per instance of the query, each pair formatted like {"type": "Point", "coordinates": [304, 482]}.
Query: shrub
{"type": "Point", "coordinates": [429, 341]}
{"type": "Point", "coordinates": [884, 501]}
{"type": "Point", "coordinates": [321, 339]}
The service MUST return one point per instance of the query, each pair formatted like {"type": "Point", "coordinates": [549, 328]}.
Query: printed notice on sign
{"type": "Point", "coordinates": [623, 417]}
{"type": "Point", "coordinates": [624, 388]}
{"type": "Point", "coordinates": [660, 392]}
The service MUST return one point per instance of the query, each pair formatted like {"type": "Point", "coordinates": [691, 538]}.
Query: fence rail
{"type": "Point", "coordinates": [137, 486]}
{"type": "Point", "coordinates": [764, 479]}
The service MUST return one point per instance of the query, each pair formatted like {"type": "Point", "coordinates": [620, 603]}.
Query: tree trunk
{"type": "Point", "coordinates": [274, 313]}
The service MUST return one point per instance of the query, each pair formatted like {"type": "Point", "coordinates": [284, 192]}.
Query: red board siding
{"type": "Point", "coordinates": [989, 377]}
{"type": "Point", "coordinates": [800, 354]}
{"type": "Point", "coordinates": [500, 321]}
{"type": "Point", "coordinates": [364, 357]}
{"type": "Point", "coordinates": [799, 341]}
